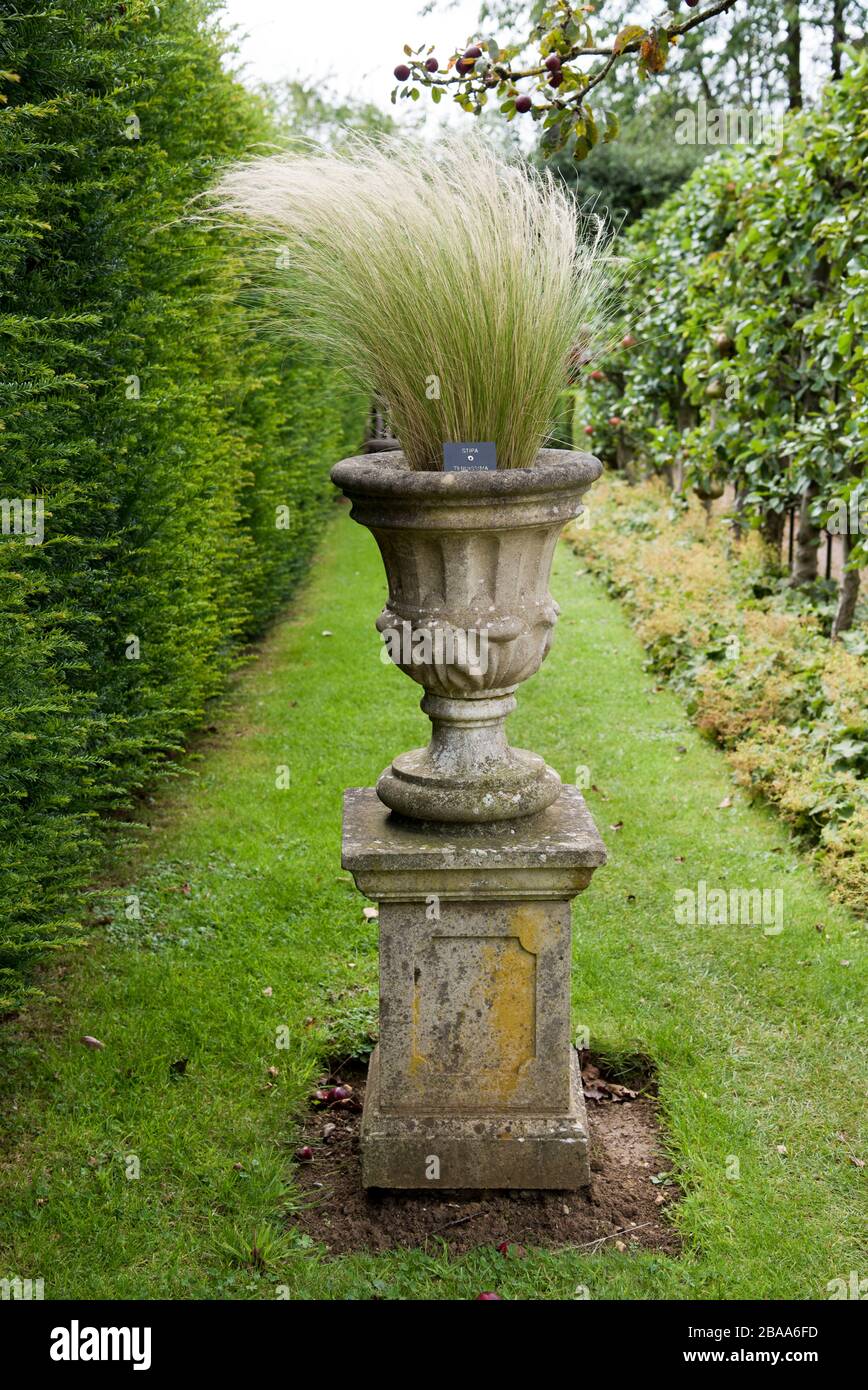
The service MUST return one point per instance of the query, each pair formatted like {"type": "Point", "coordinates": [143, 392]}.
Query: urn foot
{"type": "Point", "coordinates": [468, 774]}
{"type": "Point", "coordinates": [412, 787]}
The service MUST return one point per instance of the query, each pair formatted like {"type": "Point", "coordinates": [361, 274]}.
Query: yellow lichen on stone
{"type": "Point", "coordinates": [508, 985]}
{"type": "Point", "coordinates": [417, 1059]}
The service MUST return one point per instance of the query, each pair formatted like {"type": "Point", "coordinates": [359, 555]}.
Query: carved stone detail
{"type": "Point", "coordinates": [469, 617]}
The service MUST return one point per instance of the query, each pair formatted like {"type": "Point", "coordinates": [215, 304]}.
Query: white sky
{"type": "Point", "coordinates": [350, 44]}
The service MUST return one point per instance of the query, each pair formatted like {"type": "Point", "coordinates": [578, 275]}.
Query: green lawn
{"type": "Point", "coordinates": [759, 1039]}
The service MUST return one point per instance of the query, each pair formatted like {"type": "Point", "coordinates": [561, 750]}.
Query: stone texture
{"type": "Point", "coordinates": [508, 1150]}
{"type": "Point", "coordinates": [467, 558]}
{"type": "Point", "coordinates": [475, 1067]}
{"type": "Point", "coordinates": [552, 854]}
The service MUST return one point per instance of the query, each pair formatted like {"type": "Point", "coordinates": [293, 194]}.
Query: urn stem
{"type": "Point", "coordinates": [468, 735]}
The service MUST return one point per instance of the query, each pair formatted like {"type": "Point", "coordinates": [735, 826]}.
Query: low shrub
{"type": "Point", "coordinates": [752, 658]}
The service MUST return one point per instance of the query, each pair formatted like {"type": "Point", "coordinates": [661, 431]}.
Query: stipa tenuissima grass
{"type": "Point", "coordinates": [449, 282]}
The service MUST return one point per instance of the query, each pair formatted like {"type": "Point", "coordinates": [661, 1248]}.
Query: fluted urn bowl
{"type": "Point", "coordinates": [469, 616]}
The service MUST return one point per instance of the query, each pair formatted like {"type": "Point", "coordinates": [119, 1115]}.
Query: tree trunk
{"type": "Point", "coordinates": [848, 593]}
{"type": "Point", "coordinates": [793, 55]}
{"type": "Point", "coordinates": [772, 532]}
{"type": "Point", "coordinates": [839, 35]}
{"type": "Point", "coordinates": [624, 454]}
{"type": "Point", "coordinates": [807, 541]}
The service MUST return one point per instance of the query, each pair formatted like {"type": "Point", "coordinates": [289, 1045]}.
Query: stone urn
{"type": "Point", "coordinates": [469, 616]}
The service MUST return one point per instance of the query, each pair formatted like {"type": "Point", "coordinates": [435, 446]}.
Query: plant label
{"type": "Point", "coordinates": [469, 458]}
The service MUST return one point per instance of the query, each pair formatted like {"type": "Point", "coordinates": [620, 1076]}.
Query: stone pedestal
{"type": "Point", "coordinates": [475, 1083]}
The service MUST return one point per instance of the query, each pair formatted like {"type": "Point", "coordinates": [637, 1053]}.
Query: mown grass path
{"type": "Point", "coordinates": [247, 927]}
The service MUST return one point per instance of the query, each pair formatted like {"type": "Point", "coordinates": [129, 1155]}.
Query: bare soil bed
{"type": "Point", "coordinates": [622, 1204]}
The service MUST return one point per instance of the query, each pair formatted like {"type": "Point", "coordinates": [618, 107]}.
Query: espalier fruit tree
{"type": "Point", "coordinates": [550, 75]}
{"type": "Point", "coordinates": [744, 361]}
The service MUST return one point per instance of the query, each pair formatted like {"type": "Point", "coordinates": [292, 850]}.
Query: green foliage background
{"type": "Point", "coordinates": [161, 506]}
{"type": "Point", "coordinates": [742, 361]}
{"type": "Point", "coordinates": [763, 251]}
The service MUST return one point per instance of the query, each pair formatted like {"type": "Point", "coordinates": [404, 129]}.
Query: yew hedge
{"type": "Point", "coordinates": [181, 461]}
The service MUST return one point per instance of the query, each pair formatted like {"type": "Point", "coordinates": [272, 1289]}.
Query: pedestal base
{"type": "Point", "coordinates": [475, 1083]}
{"type": "Point", "coordinates": [467, 1151]}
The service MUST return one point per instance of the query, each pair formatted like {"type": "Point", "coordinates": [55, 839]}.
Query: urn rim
{"type": "Point", "coordinates": [388, 475]}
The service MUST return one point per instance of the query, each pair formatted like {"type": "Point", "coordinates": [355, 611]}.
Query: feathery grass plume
{"type": "Point", "coordinates": [446, 281]}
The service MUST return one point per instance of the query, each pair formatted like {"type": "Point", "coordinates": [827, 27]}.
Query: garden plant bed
{"type": "Point", "coordinates": [752, 659]}
{"type": "Point", "coordinates": [622, 1204]}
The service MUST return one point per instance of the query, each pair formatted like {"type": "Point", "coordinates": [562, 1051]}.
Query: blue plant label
{"type": "Point", "coordinates": [469, 458]}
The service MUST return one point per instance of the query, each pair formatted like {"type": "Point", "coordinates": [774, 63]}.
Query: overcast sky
{"type": "Point", "coordinates": [353, 45]}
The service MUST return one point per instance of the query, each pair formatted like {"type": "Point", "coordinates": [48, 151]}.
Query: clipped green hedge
{"type": "Point", "coordinates": [182, 461]}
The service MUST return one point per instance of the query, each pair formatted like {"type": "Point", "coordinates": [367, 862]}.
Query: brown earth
{"type": "Point", "coordinates": [622, 1204]}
